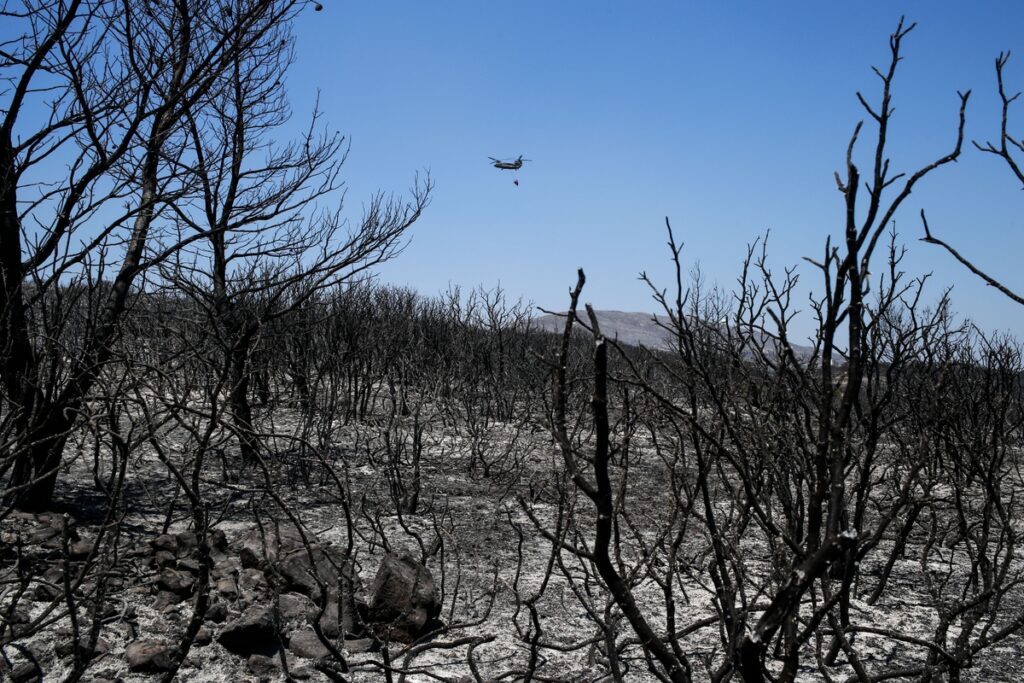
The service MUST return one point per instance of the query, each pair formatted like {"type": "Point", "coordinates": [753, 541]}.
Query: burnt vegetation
{"type": "Point", "coordinates": [227, 452]}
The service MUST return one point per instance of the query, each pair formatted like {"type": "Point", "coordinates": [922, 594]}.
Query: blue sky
{"type": "Point", "coordinates": [727, 117]}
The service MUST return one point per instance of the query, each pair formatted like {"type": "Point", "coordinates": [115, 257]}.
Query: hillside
{"type": "Point", "coordinates": [637, 329]}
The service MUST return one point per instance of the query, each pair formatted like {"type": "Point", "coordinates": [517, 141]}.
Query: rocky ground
{"type": "Point", "coordinates": [417, 590]}
{"type": "Point", "coordinates": [277, 600]}
{"type": "Point", "coordinates": [438, 594]}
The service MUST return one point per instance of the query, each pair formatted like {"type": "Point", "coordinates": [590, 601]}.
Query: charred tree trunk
{"type": "Point", "coordinates": [241, 410]}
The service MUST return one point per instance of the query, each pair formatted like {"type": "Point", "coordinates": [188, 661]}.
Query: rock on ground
{"type": "Point", "coordinates": [307, 644]}
{"type": "Point", "coordinates": [405, 604]}
{"type": "Point", "coordinates": [149, 656]}
{"type": "Point", "coordinates": [252, 633]}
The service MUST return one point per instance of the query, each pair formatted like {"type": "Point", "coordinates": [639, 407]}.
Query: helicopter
{"type": "Point", "coordinates": [508, 165]}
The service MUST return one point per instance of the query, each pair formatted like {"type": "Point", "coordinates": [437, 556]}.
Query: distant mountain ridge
{"type": "Point", "coordinates": [636, 329]}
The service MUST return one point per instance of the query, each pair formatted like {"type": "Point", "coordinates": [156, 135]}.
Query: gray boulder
{"type": "Point", "coordinates": [306, 644]}
{"type": "Point", "coordinates": [150, 656]}
{"type": "Point", "coordinates": [258, 547]}
{"type": "Point", "coordinates": [178, 582]}
{"type": "Point", "coordinates": [264, 667]}
{"type": "Point", "coordinates": [404, 605]}
{"type": "Point", "coordinates": [252, 633]}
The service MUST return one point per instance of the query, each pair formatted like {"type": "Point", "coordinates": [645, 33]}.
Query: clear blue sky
{"type": "Point", "coordinates": [727, 117]}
